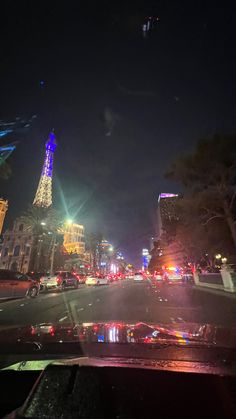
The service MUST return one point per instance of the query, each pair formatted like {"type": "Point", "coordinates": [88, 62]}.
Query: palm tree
{"type": "Point", "coordinates": [44, 224]}
{"type": "Point", "coordinates": [5, 170]}
{"type": "Point", "coordinates": [93, 241]}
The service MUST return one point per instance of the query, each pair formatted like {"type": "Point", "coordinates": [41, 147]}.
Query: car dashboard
{"type": "Point", "coordinates": [117, 388]}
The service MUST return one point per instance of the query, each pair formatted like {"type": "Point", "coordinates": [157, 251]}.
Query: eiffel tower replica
{"type": "Point", "coordinates": [43, 197]}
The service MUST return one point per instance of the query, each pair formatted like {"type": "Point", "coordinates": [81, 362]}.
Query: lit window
{"type": "Point", "coordinates": [16, 251]}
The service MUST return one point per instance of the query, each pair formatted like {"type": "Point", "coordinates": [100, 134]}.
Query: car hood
{"type": "Point", "coordinates": [179, 334]}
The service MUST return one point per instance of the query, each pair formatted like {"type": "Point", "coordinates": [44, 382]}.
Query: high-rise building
{"type": "Point", "coordinates": [168, 218]}
{"type": "Point", "coordinates": [3, 210]}
{"type": "Point", "coordinates": [167, 213]}
{"type": "Point", "coordinates": [43, 197]}
{"type": "Point", "coordinates": [74, 238]}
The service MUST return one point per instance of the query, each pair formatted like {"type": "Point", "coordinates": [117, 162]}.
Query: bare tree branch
{"type": "Point", "coordinates": [212, 218]}
{"type": "Point", "coordinates": [232, 200]}
{"type": "Point", "coordinates": [210, 211]}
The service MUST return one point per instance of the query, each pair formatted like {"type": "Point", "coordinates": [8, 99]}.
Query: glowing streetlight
{"type": "Point", "coordinates": [69, 221]}
{"type": "Point", "coordinates": [43, 223]}
{"type": "Point", "coordinates": [224, 260]}
{"type": "Point", "coordinates": [111, 249]}
{"type": "Point", "coordinates": [218, 256]}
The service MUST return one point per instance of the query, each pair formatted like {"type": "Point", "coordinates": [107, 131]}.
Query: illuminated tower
{"type": "Point", "coordinates": [43, 197]}
{"type": "Point", "coordinates": [3, 210]}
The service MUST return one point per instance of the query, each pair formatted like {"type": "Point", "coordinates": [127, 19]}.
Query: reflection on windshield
{"type": "Point", "coordinates": [139, 333]}
{"type": "Point", "coordinates": [137, 225]}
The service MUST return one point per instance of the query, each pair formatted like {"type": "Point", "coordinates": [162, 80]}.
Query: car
{"type": "Point", "coordinates": [173, 277]}
{"type": "Point", "coordinates": [36, 275]}
{"type": "Point", "coordinates": [138, 276]}
{"type": "Point", "coordinates": [60, 280]}
{"type": "Point", "coordinates": [103, 280]}
{"type": "Point", "coordinates": [158, 276]}
{"type": "Point", "coordinates": [15, 285]}
{"type": "Point", "coordinates": [97, 280]}
{"type": "Point", "coordinates": [91, 280]}
{"type": "Point", "coordinates": [81, 278]}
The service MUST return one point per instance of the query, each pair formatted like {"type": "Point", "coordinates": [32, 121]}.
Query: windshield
{"type": "Point", "coordinates": [118, 173]}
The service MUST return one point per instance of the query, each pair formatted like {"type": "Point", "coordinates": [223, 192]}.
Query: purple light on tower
{"type": "Point", "coordinates": [50, 145]}
{"type": "Point", "coordinates": [168, 195]}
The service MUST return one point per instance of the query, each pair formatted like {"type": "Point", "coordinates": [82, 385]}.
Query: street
{"type": "Point", "coordinates": [121, 301]}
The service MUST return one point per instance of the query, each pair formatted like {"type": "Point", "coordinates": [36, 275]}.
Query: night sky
{"type": "Point", "coordinates": [122, 106]}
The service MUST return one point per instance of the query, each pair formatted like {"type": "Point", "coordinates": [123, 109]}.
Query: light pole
{"type": "Point", "coordinates": [53, 253]}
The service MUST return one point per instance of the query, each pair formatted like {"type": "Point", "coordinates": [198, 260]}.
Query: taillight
{"type": "Point", "coordinates": [58, 280]}
{"type": "Point", "coordinates": [51, 330]}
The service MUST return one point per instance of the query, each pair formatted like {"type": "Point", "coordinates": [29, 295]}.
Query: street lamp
{"type": "Point", "coordinates": [69, 221]}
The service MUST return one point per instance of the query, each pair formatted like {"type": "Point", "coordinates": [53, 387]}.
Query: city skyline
{"type": "Point", "coordinates": [118, 127]}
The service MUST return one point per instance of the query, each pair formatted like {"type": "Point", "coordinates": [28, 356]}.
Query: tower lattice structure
{"type": "Point", "coordinates": [43, 197]}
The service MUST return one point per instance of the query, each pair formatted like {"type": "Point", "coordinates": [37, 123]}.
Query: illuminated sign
{"type": "Point", "coordinates": [167, 195]}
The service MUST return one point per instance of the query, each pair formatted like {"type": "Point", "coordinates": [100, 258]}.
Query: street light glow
{"type": "Point", "coordinates": [218, 256]}
{"type": "Point", "coordinates": [69, 221]}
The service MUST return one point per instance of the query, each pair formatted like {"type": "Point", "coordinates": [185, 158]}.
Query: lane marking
{"type": "Point", "coordinates": [90, 304]}
{"type": "Point", "coordinates": [80, 309]}
{"type": "Point", "coordinates": [63, 318]}
{"type": "Point", "coordinates": [21, 305]}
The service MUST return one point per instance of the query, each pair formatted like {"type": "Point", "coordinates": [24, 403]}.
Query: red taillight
{"type": "Point", "coordinates": [33, 330]}
{"type": "Point", "coordinates": [58, 280]}
{"type": "Point", "coordinates": [51, 330]}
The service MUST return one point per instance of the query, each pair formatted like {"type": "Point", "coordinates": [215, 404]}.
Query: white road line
{"type": "Point", "coordinates": [80, 309]}
{"type": "Point", "coordinates": [63, 318]}
{"type": "Point", "coordinates": [1, 309]}
{"type": "Point", "coordinates": [21, 305]}
{"type": "Point", "coordinates": [90, 304]}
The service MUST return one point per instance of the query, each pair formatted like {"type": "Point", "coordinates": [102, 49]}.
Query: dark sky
{"type": "Point", "coordinates": [155, 97]}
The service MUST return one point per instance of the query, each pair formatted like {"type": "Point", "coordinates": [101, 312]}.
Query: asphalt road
{"type": "Point", "coordinates": [121, 301]}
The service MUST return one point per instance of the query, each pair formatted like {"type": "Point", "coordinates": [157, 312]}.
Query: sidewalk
{"type": "Point", "coordinates": [215, 291]}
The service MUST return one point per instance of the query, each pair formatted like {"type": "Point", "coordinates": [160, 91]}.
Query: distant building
{"type": "Point", "coordinates": [74, 238]}
{"type": "Point", "coordinates": [165, 250]}
{"type": "Point", "coordinates": [16, 248]}
{"type": "Point", "coordinates": [145, 259]}
{"type": "Point", "coordinates": [3, 210]}
{"type": "Point", "coordinates": [167, 214]}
